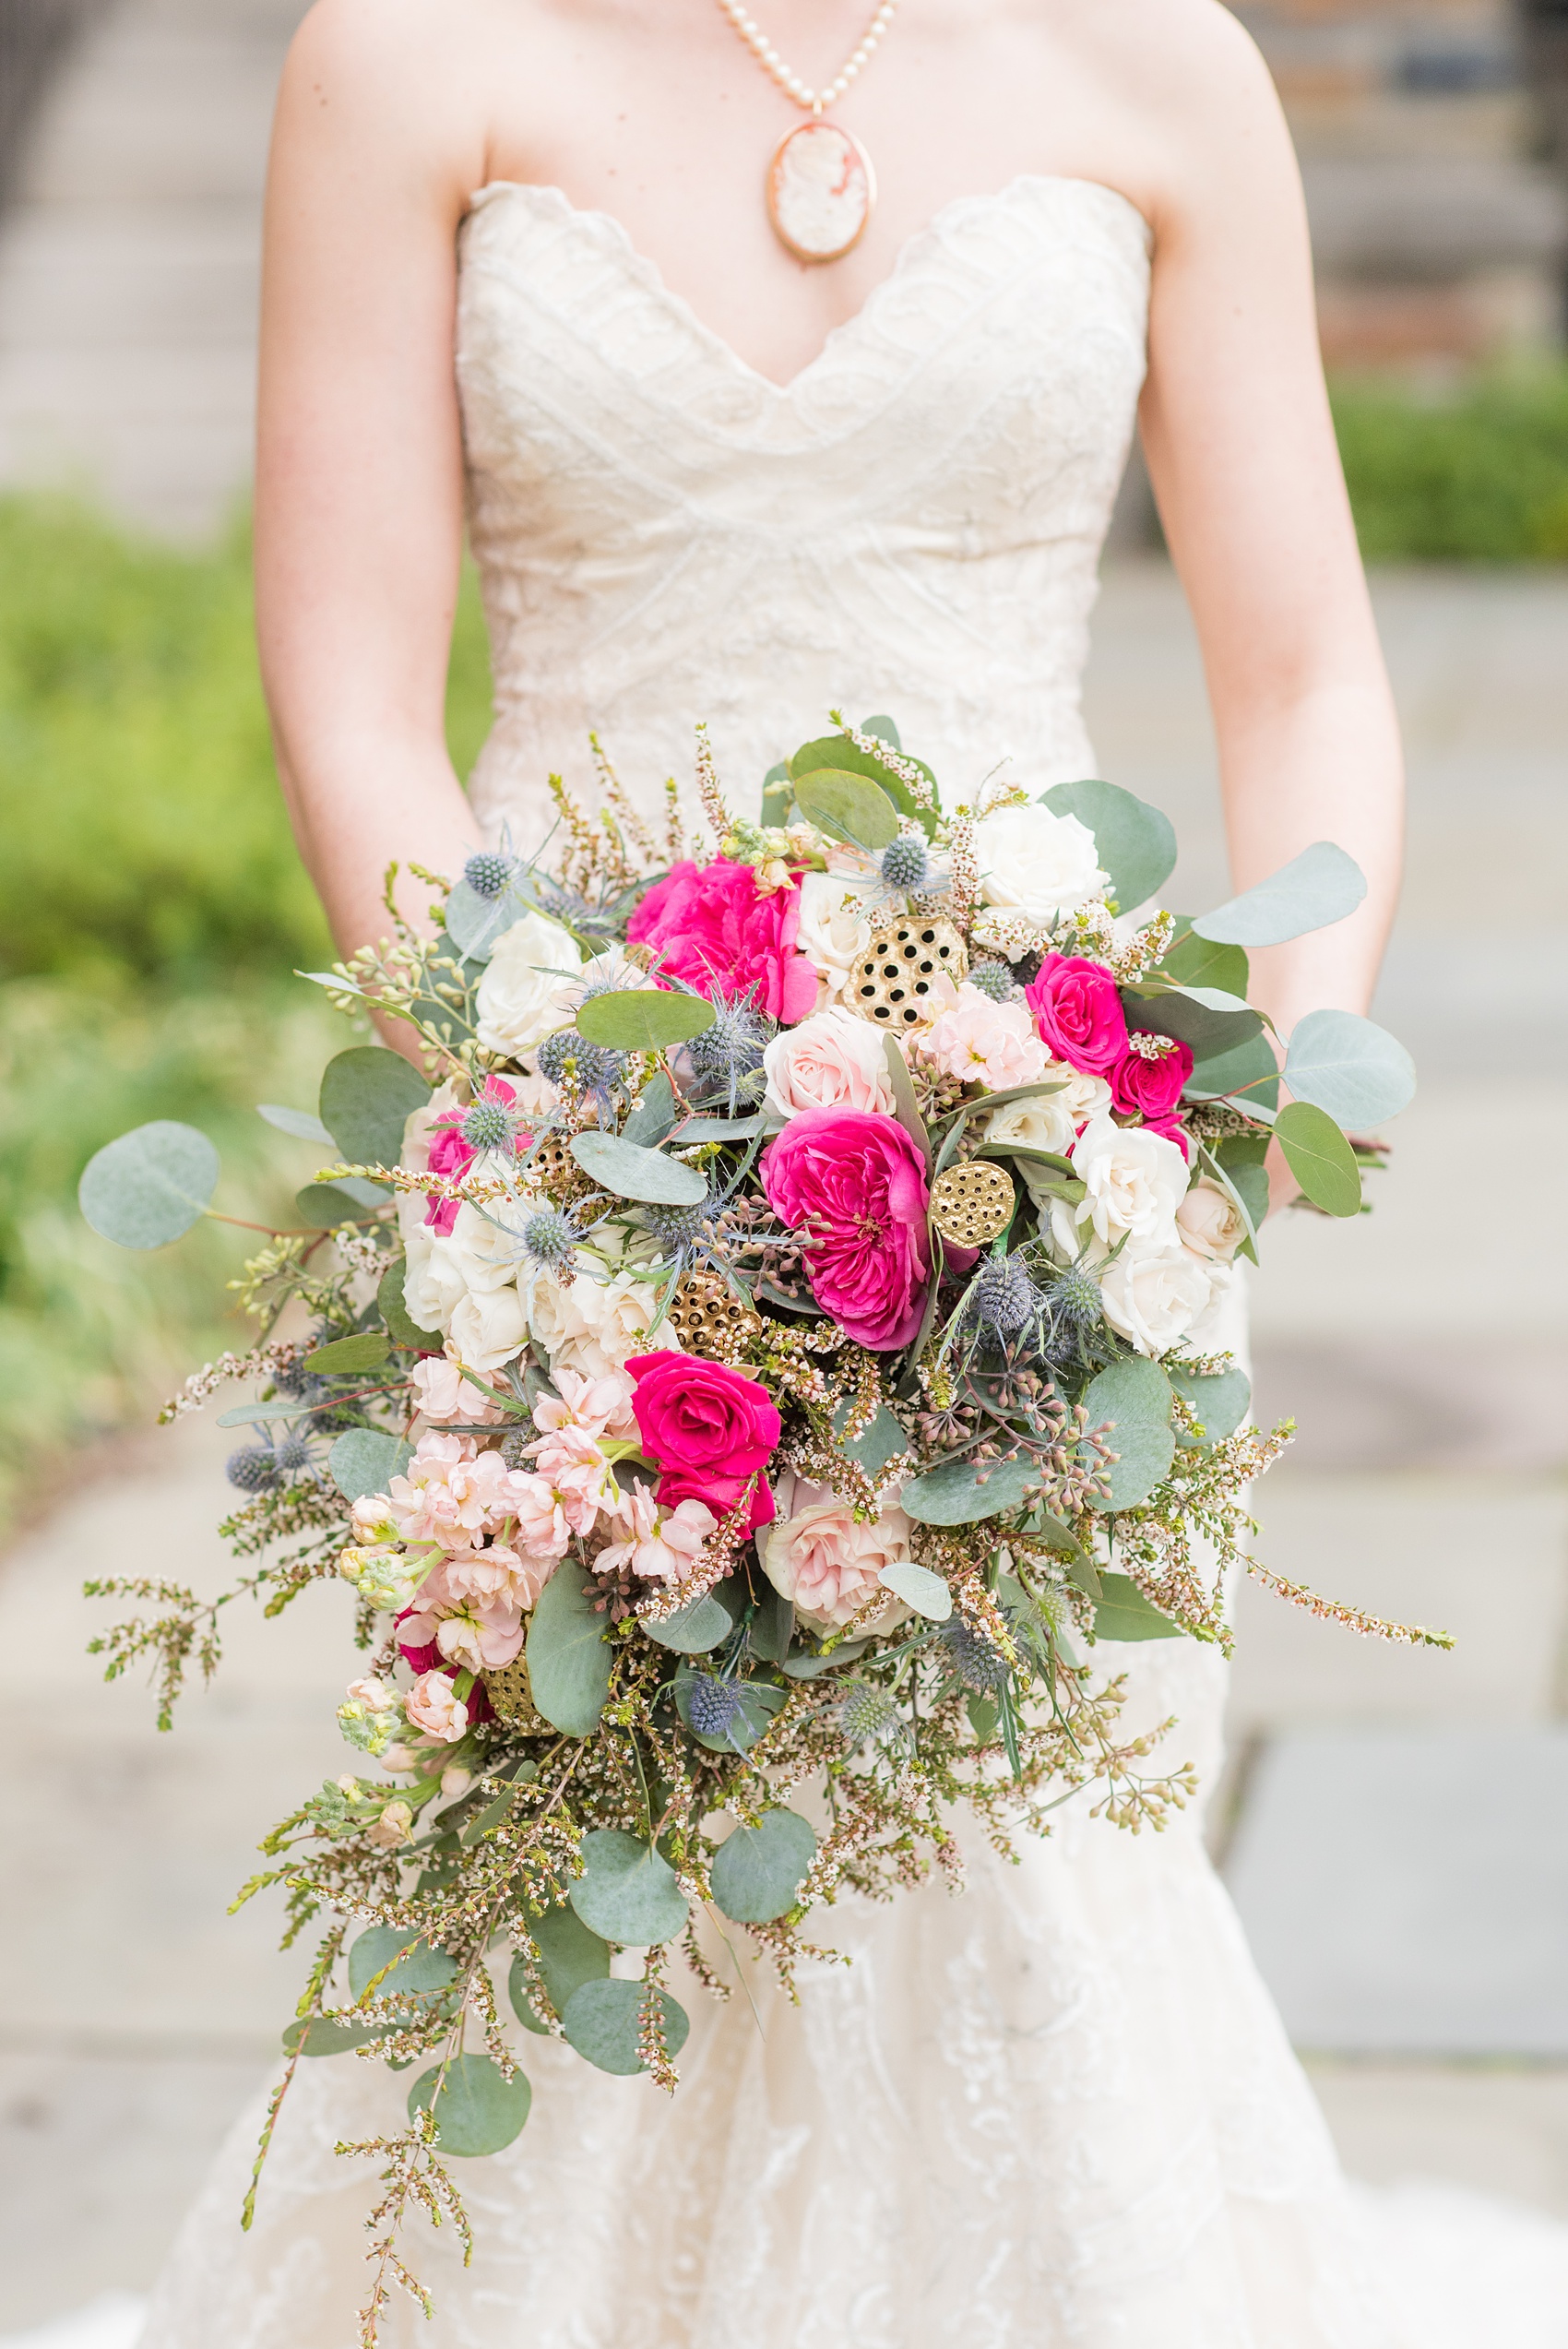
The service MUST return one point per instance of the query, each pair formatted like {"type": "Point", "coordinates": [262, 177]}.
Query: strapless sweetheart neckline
{"type": "Point", "coordinates": [652, 276]}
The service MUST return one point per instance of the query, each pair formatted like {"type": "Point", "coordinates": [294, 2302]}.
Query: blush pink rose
{"type": "Point", "coordinates": [829, 1565]}
{"type": "Point", "coordinates": [1078, 1013]}
{"type": "Point", "coordinates": [711, 923]}
{"type": "Point", "coordinates": [855, 1183]}
{"type": "Point", "coordinates": [449, 1155]}
{"type": "Point", "coordinates": [834, 1060]}
{"type": "Point", "coordinates": [710, 1430]}
{"type": "Point", "coordinates": [1151, 1089]}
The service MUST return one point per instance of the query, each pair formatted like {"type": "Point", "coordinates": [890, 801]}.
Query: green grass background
{"type": "Point", "coordinates": [151, 906]}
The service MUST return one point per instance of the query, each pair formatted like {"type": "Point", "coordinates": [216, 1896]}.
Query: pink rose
{"type": "Point", "coordinates": [1148, 1084]}
{"type": "Point", "coordinates": [441, 1391]}
{"type": "Point", "coordinates": [1173, 1131]}
{"type": "Point", "coordinates": [1078, 1012]}
{"type": "Point", "coordinates": [826, 1563]}
{"type": "Point", "coordinates": [709, 1429]}
{"type": "Point", "coordinates": [855, 1183]}
{"type": "Point", "coordinates": [712, 923]}
{"type": "Point", "coordinates": [449, 1155]}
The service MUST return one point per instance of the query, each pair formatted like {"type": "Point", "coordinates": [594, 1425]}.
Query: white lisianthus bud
{"type": "Point", "coordinates": [398, 1758]}
{"type": "Point", "coordinates": [455, 1780]}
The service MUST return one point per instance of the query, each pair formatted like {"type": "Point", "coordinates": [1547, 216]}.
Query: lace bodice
{"type": "Point", "coordinates": [911, 524]}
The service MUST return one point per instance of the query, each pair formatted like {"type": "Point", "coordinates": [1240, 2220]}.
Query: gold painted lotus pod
{"type": "Point", "coordinates": [897, 983]}
{"type": "Point", "coordinates": [507, 1686]}
{"type": "Point", "coordinates": [970, 1204]}
{"type": "Point", "coordinates": [708, 1317]}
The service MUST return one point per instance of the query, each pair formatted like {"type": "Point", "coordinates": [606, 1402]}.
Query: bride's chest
{"type": "Point", "coordinates": [997, 364]}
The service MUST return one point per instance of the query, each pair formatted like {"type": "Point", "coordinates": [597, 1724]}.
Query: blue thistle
{"type": "Point", "coordinates": [975, 1661]}
{"type": "Point", "coordinates": [293, 1458]}
{"type": "Point", "coordinates": [906, 863]}
{"type": "Point", "coordinates": [571, 1061]}
{"type": "Point", "coordinates": [1075, 1296]}
{"type": "Point", "coordinates": [490, 1123]}
{"type": "Point", "coordinates": [726, 1059]}
{"type": "Point", "coordinates": [549, 1236]}
{"type": "Point", "coordinates": [488, 873]}
{"type": "Point", "coordinates": [253, 1469]}
{"type": "Point", "coordinates": [713, 1706]}
{"type": "Point", "coordinates": [996, 980]}
{"type": "Point", "coordinates": [1002, 1297]}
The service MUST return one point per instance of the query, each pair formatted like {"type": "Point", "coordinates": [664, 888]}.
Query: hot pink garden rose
{"type": "Point", "coordinates": [855, 1182]}
{"type": "Point", "coordinates": [1150, 1089]}
{"type": "Point", "coordinates": [709, 1429]}
{"type": "Point", "coordinates": [712, 923]}
{"type": "Point", "coordinates": [1078, 1013]}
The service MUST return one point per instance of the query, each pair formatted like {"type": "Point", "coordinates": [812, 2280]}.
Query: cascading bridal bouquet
{"type": "Point", "coordinates": [771, 1358]}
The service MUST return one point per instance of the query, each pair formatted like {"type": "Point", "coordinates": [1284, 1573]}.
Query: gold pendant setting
{"type": "Point", "coordinates": [821, 189]}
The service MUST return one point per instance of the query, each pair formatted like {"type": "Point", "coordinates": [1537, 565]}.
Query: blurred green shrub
{"type": "Point", "coordinates": [151, 908]}
{"type": "Point", "coordinates": [142, 825]}
{"type": "Point", "coordinates": [1479, 475]}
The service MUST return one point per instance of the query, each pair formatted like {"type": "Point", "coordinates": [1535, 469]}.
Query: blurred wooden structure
{"type": "Point", "coordinates": [1439, 223]}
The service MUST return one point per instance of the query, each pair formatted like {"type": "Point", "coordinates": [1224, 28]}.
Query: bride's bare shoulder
{"type": "Point", "coordinates": [1185, 82]}
{"type": "Point", "coordinates": [405, 79]}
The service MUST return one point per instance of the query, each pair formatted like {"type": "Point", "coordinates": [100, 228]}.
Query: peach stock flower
{"type": "Point", "coordinates": [442, 1392]}
{"type": "Point", "coordinates": [448, 1492]}
{"type": "Point", "coordinates": [434, 1706]}
{"type": "Point", "coordinates": [661, 1545]}
{"type": "Point", "coordinates": [988, 1044]}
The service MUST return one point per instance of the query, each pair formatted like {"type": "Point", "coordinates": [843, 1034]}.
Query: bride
{"type": "Point", "coordinates": [746, 430]}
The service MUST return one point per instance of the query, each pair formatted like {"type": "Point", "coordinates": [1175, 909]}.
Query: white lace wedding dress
{"type": "Point", "coordinates": [1060, 2109]}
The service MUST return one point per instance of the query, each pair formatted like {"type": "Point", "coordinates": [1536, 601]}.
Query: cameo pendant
{"type": "Point", "coordinates": [821, 188]}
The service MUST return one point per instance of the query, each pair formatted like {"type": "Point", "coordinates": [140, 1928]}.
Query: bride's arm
{"type": "Point", "coordinates": [359, 470]}
{"type": "Point", "coordinates": [1240, 448]}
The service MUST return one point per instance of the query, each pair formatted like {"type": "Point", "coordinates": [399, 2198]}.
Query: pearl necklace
{"type": "Point", "coordinates": [820, 185]}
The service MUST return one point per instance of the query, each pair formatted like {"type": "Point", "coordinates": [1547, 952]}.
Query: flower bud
{"type": "Point", "coordinates": [455, 1780]}
{"type": "Point", "coordinates": [393, 1827]}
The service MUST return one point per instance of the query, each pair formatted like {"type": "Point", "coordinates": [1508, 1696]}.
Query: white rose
{"type": "Point", "coordinates": [433, 1285]}
{"type": "Point", "coordinates": [1037, 863]}
{"type": "Point", "coordinates": [489, 1328]}
{"type": "Point", "coordinates": [617, 1317]}
{"type": "Point", "coordinates": [1209, 1222]}
{"type": "Point", "coordinates": [1050, 1121]}
{"type": "Point", "coordinates": [486, 1253]}
{"type": "Point", "coordinates": [1134, 1182]}
{"type": "Point", "coordinates": [1156, 1297]}
{"type": "Point", "coordinates": [833, 930]}
{"type": "Point", "coordinates": [516, 995]}
{"type": "Point", "coordinates": [1044, 1123]}
{"type": "Point", "coordinates": [593, 1324]}
{"type": "Point", "coordinates": [834, 1060]}
{"type": "Point", "coordinates": [553, 1315]}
